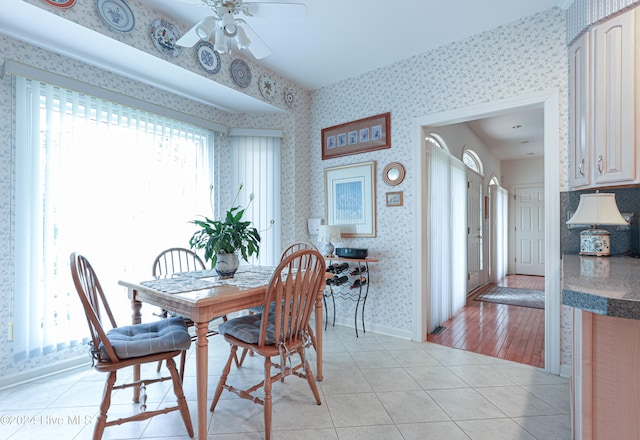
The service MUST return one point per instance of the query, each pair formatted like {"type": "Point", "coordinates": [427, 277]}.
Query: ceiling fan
{"type": "Point", "coordinates": [225, 26]}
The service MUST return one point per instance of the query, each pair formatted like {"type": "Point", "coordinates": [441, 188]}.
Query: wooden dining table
{"type": "Point", "coordinates": [202, 296]}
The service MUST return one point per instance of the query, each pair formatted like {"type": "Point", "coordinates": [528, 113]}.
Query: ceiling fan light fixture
{"type": "Point", "coordinates": [220, 44]}
{"type": "Point", "coordinates": [241, 39]}
{"type": "Point", "coordinates": [228, 24]}
{"type": "Point", "coordinates": [204, 29]}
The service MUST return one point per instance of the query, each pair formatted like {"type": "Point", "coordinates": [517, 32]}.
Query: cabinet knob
{"type": "Point", "coordinates": [581, 167]}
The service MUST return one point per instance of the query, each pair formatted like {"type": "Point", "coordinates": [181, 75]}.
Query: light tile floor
{"type": "Point", "coordinates": [375, 387]}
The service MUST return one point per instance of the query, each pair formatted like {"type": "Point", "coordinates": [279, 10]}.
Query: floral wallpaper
{"type": "Point", "coordinates": [521, 58]}
{"type": "Point", "coordinates": [294, 123]}
{"type": "Point", "coordinates": [524, 57]}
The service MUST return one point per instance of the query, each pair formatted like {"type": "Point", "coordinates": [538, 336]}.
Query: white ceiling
{"type": "Point", "coordinates": [515, 135]}
{"type": "Point", "coordinates": [344, 38]}
{"type": "Point", "coordinates": [340, 39]}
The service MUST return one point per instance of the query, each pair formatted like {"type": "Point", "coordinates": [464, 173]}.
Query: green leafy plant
{"type": "Point", "coordinates": [226, 236]}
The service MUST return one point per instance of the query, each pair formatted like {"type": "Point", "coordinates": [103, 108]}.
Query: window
{"type": "Point", "coordinates": [472, 160]}
{"type": "Point", "coordinates": [255, 163]}
{"type": "Point", "coordinates": [446, 217]}
{"type": "Point", "coordinates": [108, 181]}
{"type": "Point", "coordinates": [436, 141]}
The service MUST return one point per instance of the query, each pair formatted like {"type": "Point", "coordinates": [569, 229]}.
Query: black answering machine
{"type": "Point", "coordinates": [351, 253]}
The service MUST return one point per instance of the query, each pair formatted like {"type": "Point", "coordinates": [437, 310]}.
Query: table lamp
{"type": "Point", "coordinates": [328, 234]}
{"type": "Point", "coordinates": [596, 209]}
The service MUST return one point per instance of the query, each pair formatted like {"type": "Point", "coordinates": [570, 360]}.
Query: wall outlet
{"type": "Point", "coordinates": [313, 225]}
{"type": "Point", "coordinates": [10, 331]}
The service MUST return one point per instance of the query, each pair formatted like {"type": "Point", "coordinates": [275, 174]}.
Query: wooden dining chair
{"type": "Point", "coordinates": [279, 331]}
{"type": "Point", "coordinates": [297, 246]}
{"type": "Point", "coordinates": [134, 345]}
{"type": "Point", "coordinates": [176, 260]}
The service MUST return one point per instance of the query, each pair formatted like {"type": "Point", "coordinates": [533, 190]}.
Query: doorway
{"type": "Point", "coordinates": [475, 244]}
{"type": "Point", "coordinates": [549, 101]}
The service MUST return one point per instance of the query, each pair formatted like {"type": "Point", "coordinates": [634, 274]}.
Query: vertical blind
{"type": "Point", "coordinates": [255, 163]}
{"type": "Point", "coordinates": [111, 182]}
{"type": "Point", "coordinates": [499, 232]}
{"type": "Point", "coordinates": [447, 205]}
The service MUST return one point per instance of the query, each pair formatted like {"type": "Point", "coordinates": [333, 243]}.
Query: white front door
{"type": "Point", "coordinates": [529, 230]}
{"type": "Point", "coordinates": [474, 230]}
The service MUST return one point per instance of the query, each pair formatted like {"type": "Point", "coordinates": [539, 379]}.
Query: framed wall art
{"type": "Point", "coordinates": [350, 199]}
{"type": "Point", "coordinates": [368, 134]}
{"type": "Point", "coordinates": [394, 198]}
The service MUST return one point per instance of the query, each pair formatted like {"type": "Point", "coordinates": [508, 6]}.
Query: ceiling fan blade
{"type": "Point", "coordinates": [208, 3]}
{"type": "Point", "coordinates": [276, 11]}
{"type": "Point", "coordinates": [258, 47]}
{"type": "Point", "coordinates": [201, 31]}
{"type": "Point", "coordinates": [189, 39]}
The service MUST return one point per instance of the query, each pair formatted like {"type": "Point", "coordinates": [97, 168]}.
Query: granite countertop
{"type": "Point", "coordinates": [608, 286]}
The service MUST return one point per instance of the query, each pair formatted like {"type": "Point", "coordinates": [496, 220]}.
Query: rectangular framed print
{"type": "Point", "coordinates": [368, 134]}
{"type": "Point", "coordinates": [394, 198]}
{"type": "Point", "coordinates": [350, 199]}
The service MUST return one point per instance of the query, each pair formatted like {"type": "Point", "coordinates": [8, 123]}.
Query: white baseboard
{"type": "Point", "coordinates": [41, 372]}
{"type": "Point", "coordinates": [375, 328]}
{"type": "Point", "coordinates": [565, 370]}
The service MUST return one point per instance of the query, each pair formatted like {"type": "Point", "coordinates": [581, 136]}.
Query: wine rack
{"type": "Point", "coordinates": [351, 282]}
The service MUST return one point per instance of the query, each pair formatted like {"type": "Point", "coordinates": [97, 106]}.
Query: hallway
{"type": "Point", "coordinates": [506, 332]}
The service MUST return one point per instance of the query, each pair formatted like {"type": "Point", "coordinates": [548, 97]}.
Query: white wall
{"type": "Point", "coordinates": [459, 137]}
{"type": "Point", "coordinates": [521, 172]}
{"type": "Point", "coordinates": [522, 58]}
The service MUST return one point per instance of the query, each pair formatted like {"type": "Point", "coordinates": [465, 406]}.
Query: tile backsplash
{"type": "Point", "coordinates": [623, 238]}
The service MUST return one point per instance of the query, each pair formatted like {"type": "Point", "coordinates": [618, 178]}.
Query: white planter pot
{"type": "Point", "coordinates": [227, 264]}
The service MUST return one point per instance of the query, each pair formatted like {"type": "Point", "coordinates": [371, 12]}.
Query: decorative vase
{"type": "Point", "coordinates": [226, 265]}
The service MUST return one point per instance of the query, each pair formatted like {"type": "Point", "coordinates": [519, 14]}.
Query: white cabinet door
{"type": "Point", "coordinates": [614, 158]}
{"type": "Point", "coordinates": [529, 233]}
{"type": "Point", "coordinates": [579, 94]}
{"type": "Point", "coordinates": [474, 231]}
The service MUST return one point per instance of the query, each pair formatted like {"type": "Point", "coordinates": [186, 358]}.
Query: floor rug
{"type": "Point", "coordinates": [513, 297]}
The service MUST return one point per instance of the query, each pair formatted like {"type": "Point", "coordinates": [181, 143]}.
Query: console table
{"type": "Point", "coordinates": [346, 290]}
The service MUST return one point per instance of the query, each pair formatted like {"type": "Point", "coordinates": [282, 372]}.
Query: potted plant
{"type": "Point", "coordinates": [223, 239]}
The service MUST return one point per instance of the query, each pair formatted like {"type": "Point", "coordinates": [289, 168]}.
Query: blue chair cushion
{"type": "Point", "coordinates": [259, 309]}
{"type": "Point", "coordinates": [149, 338]}
{"type": "Point", "coordinates": [247, 329]}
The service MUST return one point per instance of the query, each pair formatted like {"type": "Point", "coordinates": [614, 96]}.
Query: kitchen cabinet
{"type": "Point", "coordinates": [603, 104]}
{"type": "Point", "coordinates": [605, 296]}
{"type": "Point", "coordinates": [579, 93]}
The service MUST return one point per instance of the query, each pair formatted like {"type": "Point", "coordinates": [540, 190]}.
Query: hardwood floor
{"type": "Point", "coordinates": [507, 332]}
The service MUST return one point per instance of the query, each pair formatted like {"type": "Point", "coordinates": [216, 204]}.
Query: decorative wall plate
{"type": "Point", "coordinates": [61, 3]}
{"type": "Point", "coordinates": [117, 14]}
{"type": "Point", "coordinates": [164, 36]}
{"type": "Point", "coordinates": [240, 72]}
{"type": "Point", "coordinates": [208, 58]}
{"type": "Point", "coordinates": [267, 86]}
{"type": "Point", "coordinates": [290, 97]}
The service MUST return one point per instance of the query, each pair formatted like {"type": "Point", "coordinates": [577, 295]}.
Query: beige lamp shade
{"type": "Point", "coordinates": [597, 209]}
{"type": "Point", "coordinates": [329, 233]}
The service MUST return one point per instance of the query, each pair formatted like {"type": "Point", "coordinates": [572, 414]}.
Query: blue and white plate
{"type": "Point", "coordinates": [208, 58]}
{"type": "Point", "coordinates": [117, 14]}
{"type": "Point", "coordinates": [164, 36]}
{"type": "Point", "coordinates": [240, 72]}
